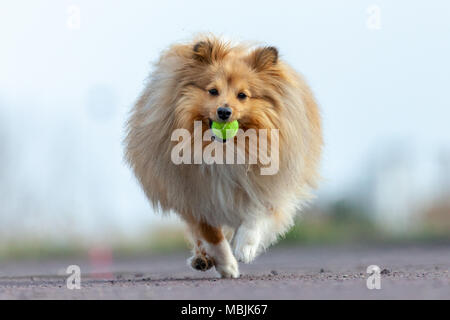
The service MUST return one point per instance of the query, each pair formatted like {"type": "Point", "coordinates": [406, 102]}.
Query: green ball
{"type": "Point", "coordinates": [225, 130]}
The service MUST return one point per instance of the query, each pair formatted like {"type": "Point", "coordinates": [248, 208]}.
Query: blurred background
{"type": "Point", "coordinates": [71, 70]}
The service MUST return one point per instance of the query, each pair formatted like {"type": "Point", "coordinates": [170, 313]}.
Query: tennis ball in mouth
{"type": "Point", "coordinates": [225, 130]}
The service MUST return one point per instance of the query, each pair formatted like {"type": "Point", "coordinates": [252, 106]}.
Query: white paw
{"type": "Point", "coordinates": [224, 261]}
{"type": "Point", "coordinates": [229, 269]}
{"type": "Point", "coordinates": [246, 253]}
{"type": "Point", "coordinates": [246, 244]}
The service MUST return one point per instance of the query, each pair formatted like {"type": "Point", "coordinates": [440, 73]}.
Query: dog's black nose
{"type": "Point", "coordinates": [224, 113]}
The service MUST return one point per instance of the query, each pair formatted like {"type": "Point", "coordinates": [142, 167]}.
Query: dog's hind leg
{"type": "Point", "coordinates": [254, 236]}
{"type": "Point", "coordinates": [247, 242]}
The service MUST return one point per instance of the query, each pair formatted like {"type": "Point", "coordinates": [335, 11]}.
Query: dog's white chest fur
{"type": "Point", "coordinates": [226, 194]}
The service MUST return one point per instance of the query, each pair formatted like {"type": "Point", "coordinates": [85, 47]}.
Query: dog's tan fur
{"type": "Point", "coordinates": [209, 197]}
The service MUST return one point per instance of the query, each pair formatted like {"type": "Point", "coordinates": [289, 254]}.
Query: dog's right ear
{"type": "Point", "coordinates": [209, 51]}
{"type": "Point", "coordinates": [203, 51]}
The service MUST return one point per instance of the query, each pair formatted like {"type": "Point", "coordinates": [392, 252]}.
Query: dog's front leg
{"type": "Point", "coordinates": [216, 247]}
{"type": "Point", "coordinates": [200, 261]}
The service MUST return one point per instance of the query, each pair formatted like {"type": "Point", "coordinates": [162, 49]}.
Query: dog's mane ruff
{"type": "Point", "coordinates": [238, 190]}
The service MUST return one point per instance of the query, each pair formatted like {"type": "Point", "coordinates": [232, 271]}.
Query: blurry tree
{"type": "Point", "coordinates": [437, 219]}
{"type": "Point", "coordinates": [444, 175]}
{"type": "Point", "coordinates": [4, 156]}
{"type": "Point", "coordinates": [339, 221]}
{"type": "Point", "coordinates": [437, 216]}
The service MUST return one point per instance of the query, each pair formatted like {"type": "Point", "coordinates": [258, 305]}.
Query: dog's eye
{"type": "Point", "coordinates": [213, 92]}
{"type": "Point", "coordinates": [241, 96]}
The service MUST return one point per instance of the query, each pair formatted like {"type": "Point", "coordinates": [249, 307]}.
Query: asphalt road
{"type": "Point", "coordinates": [408, 272]}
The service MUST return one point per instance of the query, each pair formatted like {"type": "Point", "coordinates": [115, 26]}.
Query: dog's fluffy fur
{"type": "Point", "coordinates": [258, 208]}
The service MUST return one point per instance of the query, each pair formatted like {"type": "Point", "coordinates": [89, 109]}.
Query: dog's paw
{"type": "Point", "coordinates": [247, 253]}
{"type": "Point", "coordinates": [200, 263]}
{"type": "Point", "coordinates": [224, 261]}
{"type": "Point", "coordinates": [229, 269]}
{"type": "Point", "coordinates": [246, 244]}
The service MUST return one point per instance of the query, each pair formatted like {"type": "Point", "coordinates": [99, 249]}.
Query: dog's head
{"type": "Point", "coordinates": [222, 83]}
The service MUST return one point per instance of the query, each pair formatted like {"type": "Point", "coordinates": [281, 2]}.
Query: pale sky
{"type": "Point", "coordinates": [376, 88]}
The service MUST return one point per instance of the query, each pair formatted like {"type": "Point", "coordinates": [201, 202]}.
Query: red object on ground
{"type": "Point", "coordinates": [101, 262]}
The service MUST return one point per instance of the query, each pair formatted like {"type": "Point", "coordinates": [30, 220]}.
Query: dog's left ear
{"type": "Point", "coordinates": [263, 58]}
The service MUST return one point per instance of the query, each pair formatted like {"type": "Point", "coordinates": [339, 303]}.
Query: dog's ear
{"type": "Point", "coordinates": [209, 51]}
{"type": "Point", "coordinates": [203, 51]}
{"type": "Point", "coordinates": [263, 58]}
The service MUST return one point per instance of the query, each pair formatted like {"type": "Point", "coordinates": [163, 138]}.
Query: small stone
{"type": "Point", "coordinates": [385, 272]}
